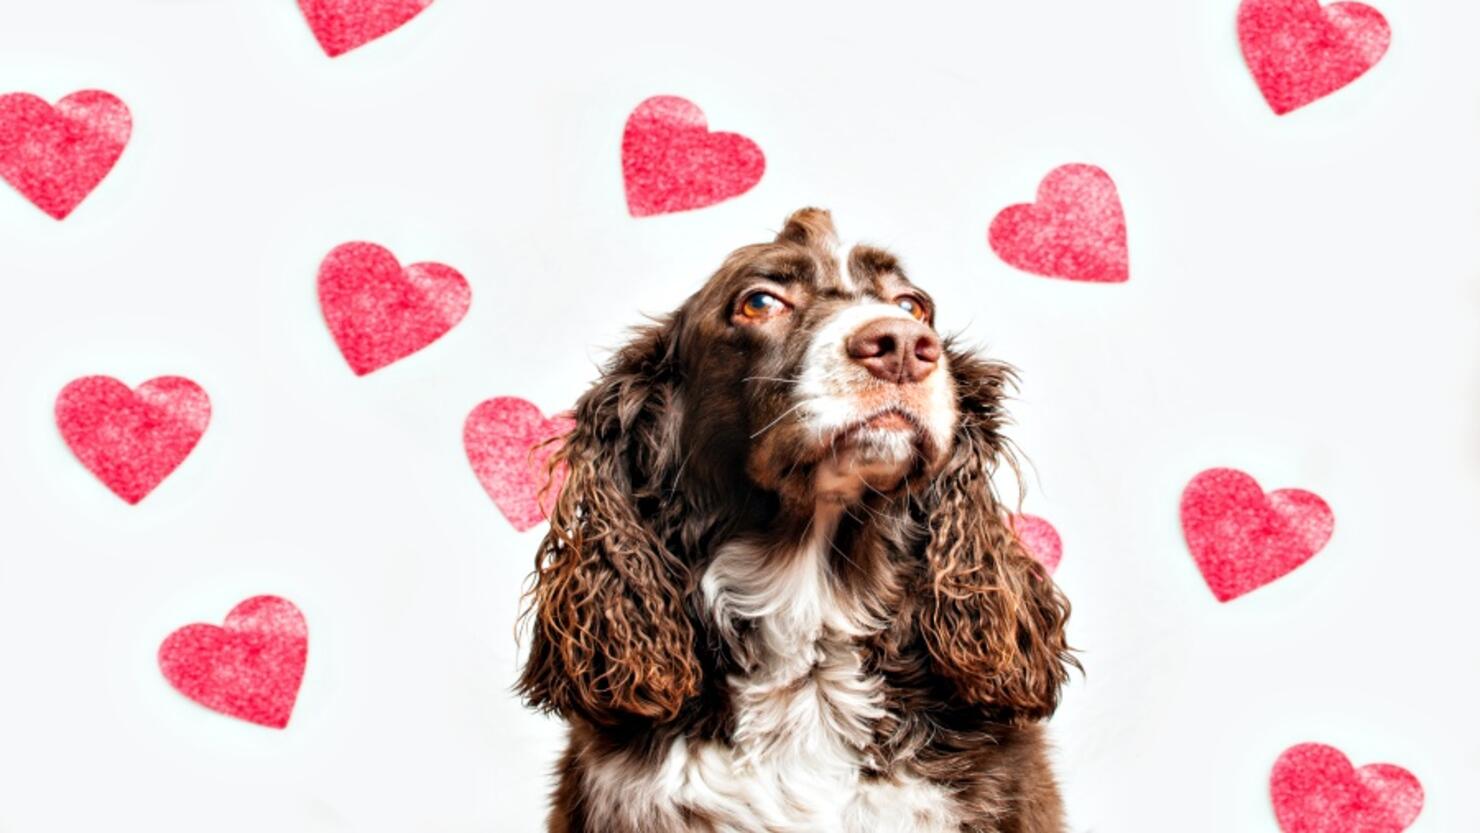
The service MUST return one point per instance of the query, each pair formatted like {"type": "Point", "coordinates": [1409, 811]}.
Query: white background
{"type": "Point", "coordinates": [1303, 305]}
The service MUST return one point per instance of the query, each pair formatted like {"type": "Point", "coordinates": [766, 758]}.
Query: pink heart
{"type": "Point", "coordinates": [378, 312]}
{"type": "Point", "coordinates": [1076, 229]}
{"type": "Point", "coordinates": [342, 25]}
{"type": "Point", "coordinates": [508, 441]}
{"type": "Point", "coordinates": [56, 156]}
{"type": "Point", "coordinates": [1040, 539]}
{"type": "Point", "coordinates": [1241, 538]}
{"type": "Point", "coordinates": [671, 162]}
{"type": "Point", "coordinates": [250, 669]}
{"type": "Point", "coordinates": [1315, 790]}
{"type": "Point", "coordinates": [1299, 51]}
{"type": "Point", "coordinates": [132, 439]}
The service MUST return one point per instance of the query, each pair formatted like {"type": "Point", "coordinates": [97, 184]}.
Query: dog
{"type": "Point", "coordinates": [779, 592]}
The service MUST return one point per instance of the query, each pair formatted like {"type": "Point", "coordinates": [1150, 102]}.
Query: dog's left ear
{"type": "Point", "coordinates": [991, 617]}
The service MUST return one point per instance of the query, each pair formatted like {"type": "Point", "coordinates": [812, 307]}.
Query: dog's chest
{"type": "Point", "coordinates": [804, 711]}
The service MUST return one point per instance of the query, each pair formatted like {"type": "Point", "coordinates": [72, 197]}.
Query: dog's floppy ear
{"type": "Point", "coordinates": [991, 617]}
{"type": "Point", "coordinates": [611, 639]}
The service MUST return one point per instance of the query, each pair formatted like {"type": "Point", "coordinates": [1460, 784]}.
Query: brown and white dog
{"type": "Point", "coordinates": [778, 592]}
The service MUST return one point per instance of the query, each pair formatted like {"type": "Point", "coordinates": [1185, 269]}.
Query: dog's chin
{"type": "Point", "coordinates": [875, 455]}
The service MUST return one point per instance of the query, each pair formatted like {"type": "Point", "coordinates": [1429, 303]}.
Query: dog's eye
{"type": "Point", "coordinates": [759, 306]}
{"type": "Point", "coordinates": [912, 305]}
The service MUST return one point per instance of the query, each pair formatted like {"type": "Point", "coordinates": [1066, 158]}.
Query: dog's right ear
{"type": "Point", "coordinates": [611, 637]}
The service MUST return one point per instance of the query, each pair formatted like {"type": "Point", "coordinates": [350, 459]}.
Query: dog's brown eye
{"type": "Point", "coordinates": [912, 305]}
{"type": "Point", "coordinates": [758, 306]}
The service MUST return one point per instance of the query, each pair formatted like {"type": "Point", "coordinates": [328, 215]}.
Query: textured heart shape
{"type": "Point", "coordinates": [342, 25]}
{"type": "Point", "coordinates": [508, 442]}
{"type": "Point", "coordinates": [1315, 789]}
{"type": "Point", "coordinates": [1243, 539]}
{"type": "Point", "coordinates": [1300, 51]}
{"type": "Point", "coordinates": [250, 668]}
{"type": "Point", "coordinates": [132, 439]}
{"type": "Point", "coordinates": [56, 156]}
{"type": "Point", "coordinates": [378, 312]}
{"type": "Point", "coordinates": [1040, 539]}
{"type": "Point", "coordinates": [1075, 231]}
{"type": "Point", "coordinates": [671, 162]}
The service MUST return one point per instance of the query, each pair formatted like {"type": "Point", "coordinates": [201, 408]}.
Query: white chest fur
{"type": "Point", "coordinates": [804, 712]}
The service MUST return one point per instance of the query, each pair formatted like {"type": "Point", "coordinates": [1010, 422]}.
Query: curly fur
{"type": "Point", "coordinates": [610, 633]}
{"type": "Point", "coordinates": [994, 621]}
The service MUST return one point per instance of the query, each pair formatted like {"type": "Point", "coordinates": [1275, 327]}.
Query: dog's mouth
{"type": "Point", "coordinates": [890, 420]}
{"type": "Point", "coordinates": [875, 453]}
{"type": "Point", "coordinates": [891, 436]}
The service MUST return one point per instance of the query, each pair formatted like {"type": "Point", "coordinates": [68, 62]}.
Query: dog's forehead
{"type": "Point", "coordinates": [841, 269]}
{"type": "Point", "coordinates": [812, 263]}
{"type": "Point", "coordinates": [856, 269]}
{"type": "Point", "coordinates": [845, 266]}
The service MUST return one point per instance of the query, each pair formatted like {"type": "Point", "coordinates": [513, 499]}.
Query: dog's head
{"type": "Point", "coordinates": [805, 377]}
{"type": "Point", "coordinates": [812, 368]}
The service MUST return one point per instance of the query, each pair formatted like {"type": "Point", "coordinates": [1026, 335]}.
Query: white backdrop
{"type": "Point", "coordinates": [1303, 304]}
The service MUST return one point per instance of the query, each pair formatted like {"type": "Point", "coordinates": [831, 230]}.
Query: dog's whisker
{"type": "Point", "coordinates": [772, 379]}
{"type": "Point", "coordinates": [773, 422]}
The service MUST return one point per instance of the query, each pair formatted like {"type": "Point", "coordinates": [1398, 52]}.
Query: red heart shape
{"type": "Point", "coordinates": [132, 439]}
{"type": "Point", "coordinates": [1315, 790]}
{"type": "Point", "coordinates": [250, 668]}
{"type": "Point", "coordinates": [1300, 51]}
{"type": "Point", "coordinates": [1241, 538]}
{"type": "Point", "coordinates": [1040, 539]}
{"type": "Point", "coordinates": [342, 25]}
{"type": "Point", "coordinates": [378, 312]}
{"type": "Point", "coordinates": [508, 443]}
{"type": "Point", "coordinates": [56, 156]}
{"type": "Point", "coordinates": [671, 162]}
{"type": "Point", "coordinates": [1076, 229]}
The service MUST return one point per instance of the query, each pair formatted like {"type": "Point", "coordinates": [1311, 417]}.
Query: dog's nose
{"type": "Point", "coordinates": [896, 350]}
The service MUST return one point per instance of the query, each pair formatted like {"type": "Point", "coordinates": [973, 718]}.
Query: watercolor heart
{"type": "Point", "coordinates": [378, 312]}
{"type": "Point", "coordinates": [56, 156]}
{"type": "Point", "coordinates": [342, 25]}
{"type": "Point", "coordinates": [1075, 231]}
{"type": "Point", "coordinates": [250, 668]}
{"type": "Point", "coordinates": [672, 162]}
{"type": "Point", "coordinates": [1300, 51]}
{"type": "Point", "coordinates": [1040, 539]}
{"type": "Point", "coordinates": [132, 439]}
{"type": "Point", "coordinates": [1243, 539]}
{"type": "Point", "coordinates": [508, 442]}
{"type": "Point", "coordinates": [1315, 789]}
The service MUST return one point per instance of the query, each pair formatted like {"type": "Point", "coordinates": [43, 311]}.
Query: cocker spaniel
{"type": "Point", "coordinates": [778, 592]}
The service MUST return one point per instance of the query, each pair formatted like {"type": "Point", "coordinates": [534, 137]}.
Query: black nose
{"type": "Point", "coordinates": [896, 350]}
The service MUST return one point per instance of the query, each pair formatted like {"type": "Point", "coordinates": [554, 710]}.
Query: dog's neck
{"type": "Point", "coordinates": [781, 591]}
{"type": "Point", "coordinates": [791, 625]}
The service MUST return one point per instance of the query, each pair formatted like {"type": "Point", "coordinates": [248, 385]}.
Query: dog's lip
{"type": "Point", "coordinates": [892, 418]}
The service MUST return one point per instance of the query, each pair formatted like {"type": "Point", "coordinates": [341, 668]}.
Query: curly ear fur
{"type": "Point", "coordinates": [992, 619]}
{"type": "Point", "coordinates": [611, 637]}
